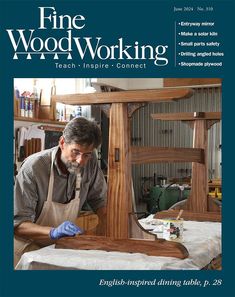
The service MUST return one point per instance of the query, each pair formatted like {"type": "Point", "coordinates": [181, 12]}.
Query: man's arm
{"type": "Point", "coordinates": [44, 235]}
{"type": "Point", "coordinates": [35, 232]}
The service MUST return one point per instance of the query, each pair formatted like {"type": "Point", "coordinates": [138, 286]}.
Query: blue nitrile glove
{"type": "Point", "coordinates": [67, 228]}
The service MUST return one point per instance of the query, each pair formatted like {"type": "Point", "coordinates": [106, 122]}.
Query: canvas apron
{"type": "Point", "coordinates": [52, 214]}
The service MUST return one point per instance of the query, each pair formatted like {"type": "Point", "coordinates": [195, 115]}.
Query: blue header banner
{"type": "Point", "coordinates": [116, 38]}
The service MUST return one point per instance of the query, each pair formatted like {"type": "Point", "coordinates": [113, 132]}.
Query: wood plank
{"type": "Point", "coordinates": [38, 145]}
{"type": "Point", "coordinates": [33, 145]}
{"type": "Point", "coordinates": [119, 172]}
{"type": "Point", "coordinates": [159, 247]}
{"type": "Point", "coordinates": [198, 198]}
{"type": "Point", "coordinates": [187, 116]}
{"type": "Point", "coordinates": [151, 95]}
{"type": "Point", "coordinates": [190, 215]}
{"type": "Point", "coordinates": [175, 82]}
{"type": "Point", "coordinates": [144, 154]}
{"type": "Point", "coordinates": [87, 221]}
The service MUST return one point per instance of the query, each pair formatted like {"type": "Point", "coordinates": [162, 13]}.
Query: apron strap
{"type": "Point", "coordinates": [78, 185]}
{"type": "Point", "coordinates": [51, 180]}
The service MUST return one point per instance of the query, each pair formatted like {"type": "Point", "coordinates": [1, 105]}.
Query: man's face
{"type": "Point", "coordinates": [74, 155]}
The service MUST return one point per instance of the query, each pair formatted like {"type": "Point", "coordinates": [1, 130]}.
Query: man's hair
{"type": "Point", "coordinates": [82, 131]}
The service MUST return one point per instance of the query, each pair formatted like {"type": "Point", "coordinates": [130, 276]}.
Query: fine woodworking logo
{"type": "Point", "coordinates": [55, 37]}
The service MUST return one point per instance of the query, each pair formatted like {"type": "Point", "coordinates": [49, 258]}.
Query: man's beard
{"type": "Point", "coordinates": [72, 167]}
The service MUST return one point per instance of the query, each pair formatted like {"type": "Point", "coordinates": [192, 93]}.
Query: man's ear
{"type": "Point", "coordinates": [61, 142]}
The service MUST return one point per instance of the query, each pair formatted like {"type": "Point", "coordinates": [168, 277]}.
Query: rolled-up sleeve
{"type": "Point", "coordinates": [25, 197]}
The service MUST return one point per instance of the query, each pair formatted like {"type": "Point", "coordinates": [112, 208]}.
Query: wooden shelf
{"type": "Point", "coordinates": [44, 121]}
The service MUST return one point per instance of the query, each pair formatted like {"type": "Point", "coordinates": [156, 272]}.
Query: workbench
{"type": "Point", "coordinates": [202, 240]}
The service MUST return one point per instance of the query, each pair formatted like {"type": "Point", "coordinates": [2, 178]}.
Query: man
{"type": "Point", "coordinates": [52, 186]}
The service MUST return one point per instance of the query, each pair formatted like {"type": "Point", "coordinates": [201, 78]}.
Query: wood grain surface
{"type": "Point", "coordinates": [199, 187]}
{"type": "Point", "coordinates": [151, 95]}
{"type": "Point", "coordinates": [144, 154]}
{"type": "Point", "coordinates": [119, 172]}
{"type": "Point", "coordinates": [158, 247]}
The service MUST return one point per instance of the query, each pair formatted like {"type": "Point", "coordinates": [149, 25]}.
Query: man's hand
{"type": "Point", "coordinates": [66, 229]}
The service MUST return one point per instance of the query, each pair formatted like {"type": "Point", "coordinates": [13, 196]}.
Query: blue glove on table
{"type": "Point", "coordinates": [67, 228]}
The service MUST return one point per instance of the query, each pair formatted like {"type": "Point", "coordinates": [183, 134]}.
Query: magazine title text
{"type": "Point", "coordinates": [29, 42]}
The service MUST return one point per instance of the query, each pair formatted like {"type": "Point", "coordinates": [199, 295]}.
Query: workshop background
{"type": "Point", "coordinates": [157, 186]}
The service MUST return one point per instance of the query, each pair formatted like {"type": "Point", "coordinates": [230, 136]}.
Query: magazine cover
{"type": "Point", "coordinates": [117, 157]}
